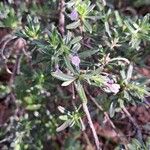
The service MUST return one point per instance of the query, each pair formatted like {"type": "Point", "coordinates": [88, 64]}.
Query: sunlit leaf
{"type": "Point", "coordinates": [66, 83]}
{"type": "Point", "coordinates": [64, 125]}
{"type": "Point", "coordinates": [61, 76]}
{"type": "Point", "coordinates": [76, 40]}
{"type": "Point", "coordinates": [73, 25]}
{"type": "Point", "coordinates": [87, 26]}
{"type": "Point", "coordinates": [33, 107]}
{"type": "Point", "coordinates": [63, 117]}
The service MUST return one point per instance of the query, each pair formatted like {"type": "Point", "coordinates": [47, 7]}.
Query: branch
{"type": "Point", "coordinates": [139, 133]}
{"type": "Point", "coordinates": [122, 137]}
{"type": "Point", "coordinates": [61, 17]}
{"type": "Point", "coordinates": [19, 45]}
{"type": "Point", "coordinates": [16, 69]}
{"type": "Point", "coordinates": [85, 108]}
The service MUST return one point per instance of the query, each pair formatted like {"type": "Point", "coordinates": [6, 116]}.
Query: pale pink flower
{"type": "Point", "coordinates": [111, 86]}
{"type": "Point", "coordinates": [75, 60]}
{"type": "Point", "coordinates": [74, 15]}
{"type": "Point", "coordinates": [114, 88]}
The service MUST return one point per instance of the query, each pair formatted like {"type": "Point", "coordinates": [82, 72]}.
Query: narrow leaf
{"type": "Point", "coordinates": [76, 40]}
{"type": "Point", "coordinates": [118, 18]}
{"type": "Point", "coordinates": [112, 110]}
{"type": "Point", "coordinates": [76, 47]}
{"type": "Point", "coordinates": [131, 29]}
{"type": "Point", "coordinates": [33, 107]}
{"type": "Point", "coordinates": [63, 117]}
{"type": "Point", "coordinates": [107, 28]}
{"type": "Point", "coordinates": [88, 53]}
{"type": "Point", "coordinates": [61, 76]}
{"type": "Point", "coordinates": [64, 125]}
{"type": "Point", "coordinates": [90, 9]}
{"type": "Point", "coordinates": [73, 25]}
{"type": "Point", "coordinates": [61, 109]}
{"type": "Point", "coordinates": [129, 72]}
{"type": "Point", "coordinates": [87, 26]}
{"type": "Point", "coordinates": [69, 66]}
{"type": "Point", "coordinates": [66, 83]}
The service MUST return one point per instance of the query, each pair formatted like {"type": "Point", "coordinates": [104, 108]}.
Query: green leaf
{"type": "Point", "coordinates": [81, 91]}
{"type": "Point", "coordinates": [76, 47]}
{"type": "Point", "coordinates": [118, 18]}
{"type": "Point", "coordinates": [73, 25]}
{"type": "Point", "coordinates": [64, 125]}
{"type": "Point", "coordinates": [61, 109]}
{"type": "Point", "coordinates": [87, 26]}
{"type": "Point", "coordinates": [131, 29]}
{"type": "Point", "coordinates": [69, 66]}
{"type": "Point", "coordinates": [129, 72]}
{"type": "Point", "coordinates": [121, 103]}
{"type": "Point", "coordinates": [76, 40]}
{"type": "Point", "coordinates": [63, 117]}
{"type": "Point", "coordinates": [68, 37]}
{"type": "Point", "coordinates": [112, 110]}
{"type": "Point", "coordinates": [90, 9]}
{"type": "Point", "coordinates": [33, 107]}
{"type": "Point", "coordinates": [126, 95]}
{"type": "Point", "coordinates": [107, 29]}
{"type": "Point", "coordinates": [70, 3]}
{"type": "Point", "coordinates": [88, 53]}
{"type": "Point", "coordinates": [66, 83]}
{"type": "Point", "coordinates": [61, 76]}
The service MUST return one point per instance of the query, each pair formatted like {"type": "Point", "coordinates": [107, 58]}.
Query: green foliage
{"type": "Point", "coordinates": [10, 19]}
{"type": "Point", "coordinates": [70, 118]}
{"type": "Point", "coordinates": [136, 145]}
{"type": "Point", "coordinates": [32, 31]}
{"type": "Point", "coordinates": [100, 50]}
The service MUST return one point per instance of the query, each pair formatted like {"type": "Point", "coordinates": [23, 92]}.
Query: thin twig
{"type": "Point", "coordinates": [139, 133]}
{"type": "Point", "coordinates": [100, 107]}
{"type": "Point", "coordinates": [61, 17]}
{"type": "Point", "coordinates": [4, 45]}
{"type": "Point", "coordinates": [85, 108]}
{"type": "Point", "coordinates": [93, 100]}
{"type": "Point", "coordinates": [16, 69]}
{"type": "Point", "coordinates": [19, 45]}
{"type": "Point", "coordinates": [122, 138]}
